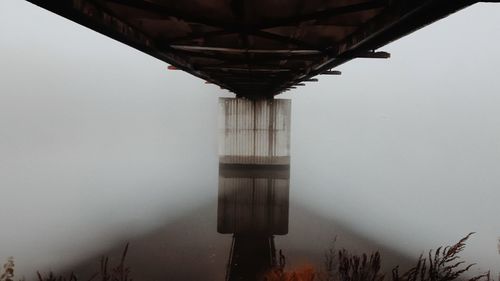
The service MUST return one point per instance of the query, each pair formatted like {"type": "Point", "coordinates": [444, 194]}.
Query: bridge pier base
{"type": "Point", "coordinates": [254, 177]}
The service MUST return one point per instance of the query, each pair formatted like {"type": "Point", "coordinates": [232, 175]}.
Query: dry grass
{"type": "Point", "coordinates": [8, 270]}
{"type": "Point", "coordinates": [444, 264]}
{"type": "Point", "coordinates": [304, 273]}
{"type": "Point", "coordinates": [120, 272]}
{"type": "Point", "coordinates": [498, 246]}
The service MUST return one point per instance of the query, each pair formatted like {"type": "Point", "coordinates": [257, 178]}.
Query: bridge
{"type": "Point", "coordinates": [256, 49]}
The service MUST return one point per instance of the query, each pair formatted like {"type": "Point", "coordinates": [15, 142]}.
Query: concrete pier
{"type": "Point", "coordinates": [254, 166]}
{"type": "Point", "coordinates": [254, 179]}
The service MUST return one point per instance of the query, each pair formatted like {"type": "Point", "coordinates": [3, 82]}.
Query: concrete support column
{"type": "Point", "coordinates": [254, 179]}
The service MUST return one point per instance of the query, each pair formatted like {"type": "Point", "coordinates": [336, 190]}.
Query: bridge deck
{"type": "Point", "coordinates": [260, 48]}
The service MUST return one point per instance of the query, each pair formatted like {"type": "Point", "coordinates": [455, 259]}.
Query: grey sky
{"type": "Point", "coordinates": [96, 138]}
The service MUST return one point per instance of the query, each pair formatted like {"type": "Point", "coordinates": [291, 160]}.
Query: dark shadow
{"type": "Point", "coordinates": [253, 205]}
{"type": "Point", "coordinates": [190, 248]}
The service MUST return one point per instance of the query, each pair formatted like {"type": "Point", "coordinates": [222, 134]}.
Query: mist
{"type": "Point", "coordinates": [100, 144]}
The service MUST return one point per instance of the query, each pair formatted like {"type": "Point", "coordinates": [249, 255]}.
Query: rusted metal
{"type": "Point", "coordinates": [253, 41]}
{"type": "Point", "coordinates": [332, 72]}
{"type": "Point", "coordinates": [374, 55]}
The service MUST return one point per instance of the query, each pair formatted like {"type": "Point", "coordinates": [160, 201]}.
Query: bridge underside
{"type": "Point", "coordinates": [256, 49]}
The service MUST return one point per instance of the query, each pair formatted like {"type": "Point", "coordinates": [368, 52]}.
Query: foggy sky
{"type": "Point", "coordinates": [100, 142]}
